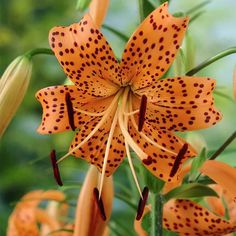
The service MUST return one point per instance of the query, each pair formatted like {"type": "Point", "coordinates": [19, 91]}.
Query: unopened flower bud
{"type": "Point", "coordinates": [13, 86]}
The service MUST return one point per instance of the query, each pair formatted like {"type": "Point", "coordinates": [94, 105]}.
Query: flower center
{"type": "Point", "coordinates": [122, 108]}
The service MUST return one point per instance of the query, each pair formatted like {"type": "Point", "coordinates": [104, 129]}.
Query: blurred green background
{"type": "Point", "coordinates": [24, 25]}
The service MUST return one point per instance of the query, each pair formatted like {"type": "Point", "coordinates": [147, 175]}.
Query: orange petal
{"type": "Point", "coordinates": [189, 218]}
{"type": "Point", "coordinates": [152, 48]}
{"type": "Point", "coordinates": [93, 150]}
{"type": "Point", "coordinates": [181, 103]}
{"type": "Point", "coordinates": [88, 221]}
{"type": "Point", "coordinates": [55, 112]}
{"type": "Point", "coordinates": [98, 10]}
{"type": "Point", "coordinates": [86, 57]}
{"type": "Point", "coordinates": [23, 220]}
{"type": "Point", "coordinates": [216, 203]}
{"type": "Point", "coordinates": [160, 162]}
{"type": "Point", "coordinates": [222, 174]}
{"type": "Point", "coordinates": [169, 186]}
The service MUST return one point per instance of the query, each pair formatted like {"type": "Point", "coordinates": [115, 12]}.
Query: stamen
{"type": "Point", "coordinates": [109, 140]}
{"type": "Point", "coordinates": [146, 137]}
{"type": "Point", "coordinates": [131, 113]}
{"type": "Point", "coordinates": [97, 127]}
{"type": "Point", "coordinates": [131, 163]}
{"type": "Point", "coordinates": [178, 160]}
{"type": "Point", "coordinates": [89, 113]}
{"type": "Point", "coordinates": [142, 203]}
{"type": "Point", "coordinates": [99, 204]}
{"type": "Point", "coordinates": [124, 131]}
{"type": "Point", "coordinates": [55, 167]}
{"type": "Point", "coordinates": [142, 112]}
{"type": "Point", "coordinates": [70, 111]}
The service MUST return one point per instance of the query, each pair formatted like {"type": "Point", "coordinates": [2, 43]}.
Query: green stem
{"type": "Point", "coordinates": [211, 60]}
{"type": "Point", "coordinates": [37, 51]}
{"type": "Point", "coordinates": [220, 149]}
{"type": "Point", "coordinates": [141, 10]}
{"type": "Point", "coordinates": [223, 146]}
{"type": "Point", "coordinates": [156, 214]}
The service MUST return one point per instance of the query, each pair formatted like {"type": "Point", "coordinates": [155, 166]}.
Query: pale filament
{"type": "Point", "coordinates": [130, 160]}
{"type": "Point", "coordinates": [142, 155]}
{"type": "Point", "coordinates": [145, 136]}
{"type": "Point", "coordinates": [131, 113]}
{"type": "Point", "coordinates": [100, 123]}
{"type": "Point", "coordinates": [89, 113]}
{"type": "Point", "coordinates": [109, 140]}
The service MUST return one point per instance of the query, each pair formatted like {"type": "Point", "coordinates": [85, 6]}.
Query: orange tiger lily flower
{"type": "Point", "coordinates": [118, 106]}
{"type": "Point", "coordinates": [27, 215]}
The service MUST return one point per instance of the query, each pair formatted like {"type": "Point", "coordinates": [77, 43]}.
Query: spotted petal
{"type": "Point", "coordinates": [181, 103]}
{"type": "Point", "coordinates": [55, 111]}
{"type": "Point", "coordinates": [152, 48]}
{"type": "Point", "coordinates": [86, 57]}
{"type": "Point", "coordinates": [189, 218]}
{"type": "Point", "coordinates": [23, 220]}
{"type": "Point", "coordinates": [94, 149]}
{"type": "Point", "coordinates": [160, 162]}
{"type": "Point", "coordinates": [223, 174]}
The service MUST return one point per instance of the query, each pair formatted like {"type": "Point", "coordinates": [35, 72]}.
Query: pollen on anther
{"type": "Point", "coordinates": [178, 159]}
{"type": "Point", "coordinates": [142, 112]}
{"type": "Point", "coordinates": [55, 167]}
{"type": "Point", "coordinates": [99, 204]}
{"type": "Point", "coordinates": [70, 111]}
{"type": "Point", "coordinates": [142, 203]}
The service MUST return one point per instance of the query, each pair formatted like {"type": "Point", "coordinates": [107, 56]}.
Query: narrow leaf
{"type": "Point", "coordinates": [82, 4]}
{"type": "Point", "coordinates": [197, 163]}
{"type": "Point", "coordinates": [198, 7]}
{"type": "Point", "coordinates": [187, 191]}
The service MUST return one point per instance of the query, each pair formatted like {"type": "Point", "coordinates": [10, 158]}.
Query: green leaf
{"type": "Point", "coordinates": [154, 184]}
{"type": "Point", "coordinates": [146, 223]}
{"type": "Point", "coordinates": [197, 163]}
{"type": "Point", "coordinates": [187, 191]}
{"type": "Point", "coordinates": [154, 3]}
{"type": "Point", "coordinates": [82, 4]}
{"type": "Point", "coordinates": [147, 8]}
{"type": "Point", "coordinates": [198, 7]}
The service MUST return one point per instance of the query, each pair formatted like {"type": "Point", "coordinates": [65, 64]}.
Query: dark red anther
{"type": "Point", "coordinates": [70, 111]}
{"type": "Point", "coordinates": [147, 161]}
{"type": "Point", "coordinates": [99, 204]}
{"type": "Point", "coordinates": [55, 167]}
{"type": "Point", "coordinates": [142, 203]}
{"type": "Point", "coordinates": [142, 112]}
{"type": "Point", "coordinates": [178, 159]}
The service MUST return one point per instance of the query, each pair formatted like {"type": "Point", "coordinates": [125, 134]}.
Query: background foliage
{"type": "Point", "coordinates": [24, 25]}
